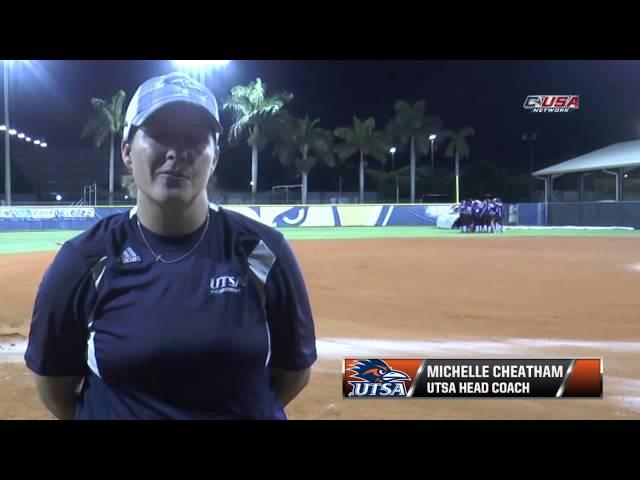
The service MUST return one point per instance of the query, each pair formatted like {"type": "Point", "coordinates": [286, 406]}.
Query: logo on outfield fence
{"type": "Point", "coordinates": [552, 103]}
{"type": "Point", "coordinates": [375, 378]}
{"type": "Point", "coordinates": [40, 213]}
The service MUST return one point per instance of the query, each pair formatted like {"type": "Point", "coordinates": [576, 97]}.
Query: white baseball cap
{"type": "Point", "coordinates": [157, 92]}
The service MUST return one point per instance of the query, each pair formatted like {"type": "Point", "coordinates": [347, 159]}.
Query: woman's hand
{"type": "Point", "coordinates": [59, 395]}
{"type": "Point", "coordinates": [288, 384]}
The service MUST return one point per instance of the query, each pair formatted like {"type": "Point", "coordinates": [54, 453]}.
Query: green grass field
{"type": "Point", "coordinates": [22, 242]}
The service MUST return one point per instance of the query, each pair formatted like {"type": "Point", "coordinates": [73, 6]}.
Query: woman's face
{"type": "Point", "coordinates": [172, 155]}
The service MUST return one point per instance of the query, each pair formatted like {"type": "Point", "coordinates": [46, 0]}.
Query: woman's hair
{"type": "Point", "coordinates": [132, 133]}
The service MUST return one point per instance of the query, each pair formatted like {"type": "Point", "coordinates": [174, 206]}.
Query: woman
{"type": "Point", "coordinates": [177, 309]}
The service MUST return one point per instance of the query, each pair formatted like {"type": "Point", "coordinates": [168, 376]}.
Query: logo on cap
{"type": "Point", "coordinates": [183, 82]}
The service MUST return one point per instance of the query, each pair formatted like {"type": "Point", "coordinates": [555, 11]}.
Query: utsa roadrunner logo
{"type": "Point", "coordinates": [226, 284]}
{"type": "Point", "coordinates": [377, 379]}
{"type": "Point", "coordinates": [292, 217]}
{"type": "Point", "coordinates": [179, 81]}
{"type": "Point", "coordinates": [183, 82]}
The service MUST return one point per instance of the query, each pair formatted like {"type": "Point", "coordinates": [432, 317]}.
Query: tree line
{"type": "Point", "coordinates": [262, 119]}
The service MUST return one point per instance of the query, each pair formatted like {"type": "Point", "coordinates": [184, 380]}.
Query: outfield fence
{"type": "Point", "coordinates": [579, 214]}
{"type": "Point", "coordinates": [586, 214]}
{"type": "Point", "coordinates": [82, 218]}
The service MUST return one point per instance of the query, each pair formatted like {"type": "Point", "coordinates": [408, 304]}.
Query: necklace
{"type": "Point", "coordinates": [159, 257]}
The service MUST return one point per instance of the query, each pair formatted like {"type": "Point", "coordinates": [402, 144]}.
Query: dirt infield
{"type": "Point", "coordinates": [506, 297]}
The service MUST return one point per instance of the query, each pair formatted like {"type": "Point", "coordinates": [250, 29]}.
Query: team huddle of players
{"type": "Point", "coordinates": [481, 216]}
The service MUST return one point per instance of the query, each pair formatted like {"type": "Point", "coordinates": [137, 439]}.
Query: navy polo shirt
{"type": "Point", "coordinates": [195, 339]}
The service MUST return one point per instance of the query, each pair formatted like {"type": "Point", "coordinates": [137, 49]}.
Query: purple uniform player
{"type": "Point", "coordinates": [491, 213]}
{"type": "Point", "coordinates": [477, 215]}
{"type": "Point", "coordinates": [485, 218]}
{"type": "Point", "coordinates": [499, 215]}
{"type": "Point", "coordinates": [466, 219]}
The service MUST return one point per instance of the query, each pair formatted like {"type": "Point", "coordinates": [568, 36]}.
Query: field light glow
{"type": "Point", "coordinates": [202, 64]}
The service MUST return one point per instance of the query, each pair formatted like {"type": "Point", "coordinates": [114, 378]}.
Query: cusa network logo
{"type": "Point", "coordinates": [552, 103]}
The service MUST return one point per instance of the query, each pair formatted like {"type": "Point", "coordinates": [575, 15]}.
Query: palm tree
{"type": "Point", "coordinates": [253, 111]}
{"type": "Point", "coordinates": [365, 139]}
{"type": "Point", "coordinates": [411, 126]}
{"type": "Point", "coordinates": [459, 148]}
{"type": "Point", "coordinates": [108, 121]}
{"type": "Point", "coordinates": [301, 143]}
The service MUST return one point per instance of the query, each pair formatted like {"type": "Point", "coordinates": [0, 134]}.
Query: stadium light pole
{"type": "Point", "coordinates": [9, 132]}
{"type": "Point", "coordinates": [432, 138]}
{"type": "Point", "coordinates": [392, 151]}
{"type": "Point", "coordinates": [530, 137]}
{"type": "Point", "coordinates": [7, 137]}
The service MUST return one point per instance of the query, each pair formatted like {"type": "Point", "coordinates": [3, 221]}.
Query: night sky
{"type": "Point", "coordinates": [50, 99]}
